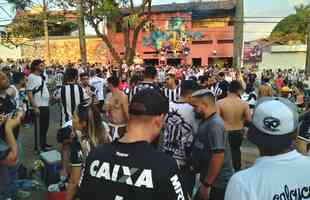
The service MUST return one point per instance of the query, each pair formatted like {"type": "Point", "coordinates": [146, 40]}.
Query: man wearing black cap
{"type": "Point", "coordinates": [38, 96]}
{"type": "Point", "coordinates": [130, 169]}
{"type": "Point", "coordinates": [281, 172]}
{"type": "Point", "coordinates": [211, 150]}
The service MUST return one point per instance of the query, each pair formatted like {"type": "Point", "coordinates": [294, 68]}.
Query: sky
{"type": "Point", "coordinates": [270, 10]}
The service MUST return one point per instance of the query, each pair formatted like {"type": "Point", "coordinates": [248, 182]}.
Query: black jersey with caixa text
{"type": "Point", "coordinates": [133, 171]}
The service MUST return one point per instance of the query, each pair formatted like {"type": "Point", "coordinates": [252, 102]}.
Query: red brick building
{"type": "Point", "coordinates": [191, 33]}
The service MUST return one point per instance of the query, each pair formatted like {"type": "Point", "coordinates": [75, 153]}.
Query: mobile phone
{"type": "Point", "coordinates": [304, 139]}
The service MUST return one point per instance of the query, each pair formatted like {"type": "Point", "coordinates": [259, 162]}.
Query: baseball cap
{"type": "Point", "coordinates": [149, 102]}
{"type": "Point", "coordinates": [202, 93]}
{"type": "Point", "coordinates": [274, 121]}
{"type": "Point", "coordinates": [187, 85]}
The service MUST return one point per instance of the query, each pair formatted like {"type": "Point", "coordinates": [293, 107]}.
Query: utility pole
{"type": "Point", "coordinates": [46, 36]}
{"type": "Point", "coordinates": [238, 34]}
{"type": "Point", "coordinates": [81, 23]}
{"type": "Point", "coordinates": [308, 50]}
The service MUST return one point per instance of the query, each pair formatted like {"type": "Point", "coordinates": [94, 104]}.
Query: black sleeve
{"type": "Point", "coordinates": [173, 188]}
{"type": "Point", "coordinates": [217, 138]}
{"type": "Point", "coordinates": [76, 155]}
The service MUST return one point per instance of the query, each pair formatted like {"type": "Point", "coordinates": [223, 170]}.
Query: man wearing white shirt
{"type": "Point", "coordinates": [38, 96]}
{"type": "Point", "coordinates": [281, 172]}
{"type": "Point", "coordinates": [99, 84]}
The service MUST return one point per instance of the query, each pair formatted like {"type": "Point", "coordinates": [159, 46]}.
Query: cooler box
{"type": "Point", "coordinates": [50, 171]}
{"type": "Point", "coordinates": [56, 195]}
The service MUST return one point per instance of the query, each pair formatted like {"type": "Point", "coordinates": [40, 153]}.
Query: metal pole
{"type": "Point", "coordinates": [308, 50]}
{"type": "Point", "coordinates": [81, 23]}
{"type": "Point", "coordinates": [46, 36]}
{"type": "Point", "coordinates": [238, 34]}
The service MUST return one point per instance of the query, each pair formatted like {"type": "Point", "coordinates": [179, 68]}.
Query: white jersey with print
{"type": "Point", "coordinates": [179, 129]}
{"type": "Point", "coordinates": [285, 176]}
{"type": "Point", "coordinates": [99, 84]}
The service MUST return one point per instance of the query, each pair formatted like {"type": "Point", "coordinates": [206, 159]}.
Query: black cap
{"type": "Point", "coordinates": [35, 63]}
{"type": "Point", "coordinates": [189, 85]}
{"type": "Point", "coordinates": [149, 102]}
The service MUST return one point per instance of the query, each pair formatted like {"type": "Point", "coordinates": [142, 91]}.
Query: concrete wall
{"type": "Point", "coordinates": [67, 49]}
{"type": "Point", "coordinates": [13, 53]}
{"type": "Point", "coordinates": [283, 60]}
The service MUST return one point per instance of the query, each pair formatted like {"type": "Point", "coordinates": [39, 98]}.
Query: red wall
{"type": "Point", "coordinates": [203, 51]}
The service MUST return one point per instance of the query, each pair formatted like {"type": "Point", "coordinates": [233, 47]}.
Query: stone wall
{"type": "Point", "coordinates": [66, 49]}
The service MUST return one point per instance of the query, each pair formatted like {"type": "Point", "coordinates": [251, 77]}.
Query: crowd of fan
{"type": "Point", "coordinates": [197, 117]}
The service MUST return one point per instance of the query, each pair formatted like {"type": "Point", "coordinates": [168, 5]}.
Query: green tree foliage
{"type": "Point", "coordinates": [20, 4]}
{"type": "Point", "coordinates": [120, 15]}
{"type": "Point", "coordinates": [32, 26]}
{"type": "Point", "coordinates": [29, 25]}
{"type": "Point", "coordinates": [293, 27]}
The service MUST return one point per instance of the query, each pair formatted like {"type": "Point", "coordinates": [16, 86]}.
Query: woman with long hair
{"type": "Point", "coordinates": [90, 132]}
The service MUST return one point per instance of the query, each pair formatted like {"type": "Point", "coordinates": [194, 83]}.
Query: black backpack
{"type": "Point", "coordinates": [40, 88]}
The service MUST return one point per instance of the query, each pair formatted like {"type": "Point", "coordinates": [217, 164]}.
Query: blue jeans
{"type": "Point", "coordinates": [13, 179]}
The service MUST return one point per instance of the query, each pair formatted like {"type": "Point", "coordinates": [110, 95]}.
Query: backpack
{"type": "Point", "coordinates": [40, 88]}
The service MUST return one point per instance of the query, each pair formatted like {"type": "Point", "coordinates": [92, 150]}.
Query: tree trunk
{"type": "Point", "coordinates": [107, 41]}
{"type": "Point", "coordinates": [113, 51]}
{"type": "Point", "coordinates": [135, 38]}
{"type": "Point", "coordinates": [82, 40]}
{"type": "Point", "coordinates": [126, 33]}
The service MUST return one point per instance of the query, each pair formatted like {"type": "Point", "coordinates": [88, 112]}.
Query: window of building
{"type": "Point", "coordinates": [173, 61]}
{"type": "Point", "coordinates": [225, 41]}
{"type": "Point", "coordinates": [202, 42]}
{"type": "Point", "coordinates": [151, 62]}
{"type": "Point", "coordinates": [196, 61]}
{"type": "Point", "coordinates": [150, 52]}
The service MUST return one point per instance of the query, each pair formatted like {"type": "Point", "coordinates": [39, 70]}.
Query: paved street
{"type": "Point", "coordinates": [249, 152]}
{"type": "Point", "coordinates": [27, 138]}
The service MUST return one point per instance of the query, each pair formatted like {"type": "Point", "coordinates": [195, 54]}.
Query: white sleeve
{"type": "Point", "coordinates": [31, 84]}
{"type": "Point", "coordinates": [236, 189]}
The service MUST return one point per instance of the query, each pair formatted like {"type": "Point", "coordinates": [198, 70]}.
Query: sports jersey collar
{"type": "Point", "coordinates": [282, 157]}
{"type": "Point", "coordinates": [179, 102]}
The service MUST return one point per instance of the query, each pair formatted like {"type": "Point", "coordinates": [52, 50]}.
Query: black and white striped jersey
{"type": "Point", "coordinates": [216, 90]}
{"type": "Point", "coordinates": [172, 95]}
{"type": "Point", "coordinates": [142, 86]}
{"type": "Point", "coordinates": [70, 95]}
